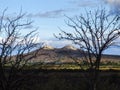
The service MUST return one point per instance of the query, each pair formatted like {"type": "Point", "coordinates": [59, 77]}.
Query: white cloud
{"type": "Point", "coordinates": [85, 3]}
{"type": "Point", "coordinates": [1, 39]}
{"type": "Point", "coordinates": [56, 43]}
{"type": "Point", "coordinates": [50, 14]}
{"type": "Point", "coordinates": [21, 40]}
{"type": "Point", "coordinates": [113, 1]}
{"type": "Point", "coordinates": [115, 6]}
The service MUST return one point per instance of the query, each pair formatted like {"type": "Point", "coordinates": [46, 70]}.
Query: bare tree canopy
{"type": "Point", "coordinates": [17, 44]}
{"type": "Point", "coordinates": [93, 32]}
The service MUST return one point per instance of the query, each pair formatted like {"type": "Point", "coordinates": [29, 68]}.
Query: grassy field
{"type": "Point", "coordinates": [68, 80]}
{"type": "Point", "coordinates": [103, 66]}
{"type": "Point", "coordinates": [68, 76]}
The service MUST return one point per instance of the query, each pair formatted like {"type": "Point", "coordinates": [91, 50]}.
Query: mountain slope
{"type": "Point", "coordinates": [65, 54]}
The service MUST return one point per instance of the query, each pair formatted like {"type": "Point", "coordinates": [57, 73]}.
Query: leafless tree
{"type": "Point", "coordinates": [15, 50]}
{"type": "Point", "coordinates": [93, 32]}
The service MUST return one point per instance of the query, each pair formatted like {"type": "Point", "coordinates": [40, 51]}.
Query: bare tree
{"type": "Point", "coordinates": [93, 32]}
{"type": "Point", "coordinates": [15, 50]}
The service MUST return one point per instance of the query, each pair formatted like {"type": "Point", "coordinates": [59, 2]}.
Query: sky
{"type": "Point", "coordinates": [49, 15]}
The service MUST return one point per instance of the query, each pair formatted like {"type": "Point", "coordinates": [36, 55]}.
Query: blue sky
{"type": "Point", "coordinates": [48, 15]}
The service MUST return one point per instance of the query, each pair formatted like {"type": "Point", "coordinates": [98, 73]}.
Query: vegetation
{"type": "Point", "coordinates": [93, 35]}
{"type": "Point", "coordinates": [93, 32]}
{"type": "Point", "coordinates": [108, 65]}
{"type": "Point", "coordinates": [67, 80]}
{"type": "Point", "coordinates": [13, 49]}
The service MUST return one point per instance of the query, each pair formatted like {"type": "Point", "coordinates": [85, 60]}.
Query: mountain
{"type": "Point", "coordinates": [48, 47]}
{"type": "Point", "coordinates": [66, 54]}
{"type": "Point", "coordinates": [69, 47]}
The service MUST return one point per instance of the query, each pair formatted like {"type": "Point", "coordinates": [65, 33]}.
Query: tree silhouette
{"type": "Point", "coordinates": [93, 32]}
{"type": "Point", "coordinates": [15, 50]}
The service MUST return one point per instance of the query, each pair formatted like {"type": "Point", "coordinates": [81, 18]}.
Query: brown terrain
{"type": "Point", "coordinates": [66, 54]}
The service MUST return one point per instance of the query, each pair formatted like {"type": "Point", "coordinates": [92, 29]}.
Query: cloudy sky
{"type": "Point", "coordinates": [49, 15]}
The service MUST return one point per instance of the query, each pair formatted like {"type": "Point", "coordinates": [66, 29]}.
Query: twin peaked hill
{"type": "Point", "coordinates": [48, 54]}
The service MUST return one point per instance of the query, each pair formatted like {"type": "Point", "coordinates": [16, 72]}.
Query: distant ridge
{"type": "Point", "coordinates": [69, 47]}
{"type": "Point", "coordinates": [48, 47]}
{"type": "Point", "coordinates": [65, 55]}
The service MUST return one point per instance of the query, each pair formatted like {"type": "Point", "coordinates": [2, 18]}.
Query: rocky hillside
{"type": "Point", "coordinates": [65, 54]}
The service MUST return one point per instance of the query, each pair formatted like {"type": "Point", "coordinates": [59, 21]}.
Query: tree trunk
{"type": "Point", "coordinates": [93, 77]}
